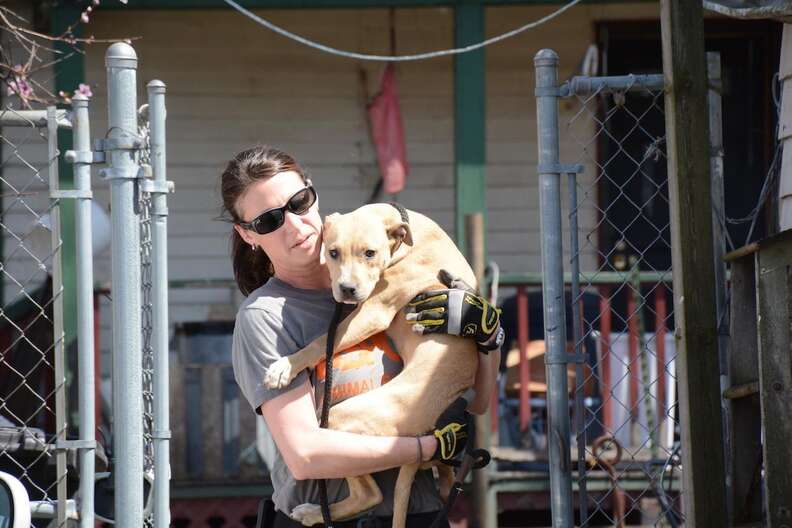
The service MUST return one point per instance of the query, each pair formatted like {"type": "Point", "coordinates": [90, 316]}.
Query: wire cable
{"type": "Point", "coordinates": [398, 58]}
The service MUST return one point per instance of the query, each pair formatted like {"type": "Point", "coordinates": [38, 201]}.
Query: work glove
{"type": "Point", "coordinates": [451, 431]}
{"type": "Point", "coordinates": [459, 310]}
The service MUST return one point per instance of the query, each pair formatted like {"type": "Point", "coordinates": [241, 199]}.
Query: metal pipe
{"type": "Point", "coordinates": [660, 333]}
{"type": "Point", "coordinates": [85, 312]}
{"type": "Point", "coordinates": [582, 85]}
{"type": "Point", "coordinates": [632, 362]}
{"type": "Point", "coordinates": [33, 118]}
{"type": "Point", "coordinates": [546, 65]}
{"type": "Point", "coordinates": [58, 338]}
{"type": "Point", "coordinates": [525, 361]}
{"type": "Point", "coordinates": [577, 331]}
{"type": "Point", "coordinates": [593, 278]}
{"type": "Point", "coordinates": [97, 361]}
{"type": "Point", "coordinates": [605, 331]}
{"type": "Point", "coordinates": [159, 264]}
{"type": "Point", "coordinates": [121, 63]}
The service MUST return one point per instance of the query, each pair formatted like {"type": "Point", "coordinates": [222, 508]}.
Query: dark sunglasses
{"type": "Point", "coordinates": [272, 219]}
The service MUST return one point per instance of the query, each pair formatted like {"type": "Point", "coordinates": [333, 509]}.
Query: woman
{"type": "Point", "coordinates": [277, 261]}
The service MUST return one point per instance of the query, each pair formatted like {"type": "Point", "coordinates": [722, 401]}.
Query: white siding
{"type": "Point", "coordinates": [232, 84]}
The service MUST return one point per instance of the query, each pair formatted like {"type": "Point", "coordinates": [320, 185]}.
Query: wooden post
{"type": "Point", "coordinates": [774, 300]}
{"type": "Point", "coordinates": [474, 227]}
{"type": "Point", "coordinates": [745, 446]}
{"type": "Point", "coordinates": [785, 132]}
{"type": "Point", "coordinates": [692, 259]}
{"type": "Point", "coordinates": [719, 241]}
{"type": "Point", "coordinates": [718, 205]}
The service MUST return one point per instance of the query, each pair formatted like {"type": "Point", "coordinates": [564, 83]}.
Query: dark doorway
{"type": "Point", "coordinates": [749, 57]}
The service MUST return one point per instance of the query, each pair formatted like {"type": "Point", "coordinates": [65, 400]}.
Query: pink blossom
{"type": "Point", "coordinates": [84, 18]}
{"type": "Point", "coordinates": [85, 89]}
{"type": "Point", "coordinates": [20, 87]}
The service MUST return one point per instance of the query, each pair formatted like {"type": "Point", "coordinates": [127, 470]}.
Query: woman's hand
{"type": "Point", "coordinates": [451, 431]}
{"type": "Point", "coordinates": [459, 310]}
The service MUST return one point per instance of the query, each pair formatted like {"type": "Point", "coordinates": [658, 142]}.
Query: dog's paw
{"type": "Point", "coordinates": [308, 514]}
{"type": "Point", "coordinates": [279, 374]}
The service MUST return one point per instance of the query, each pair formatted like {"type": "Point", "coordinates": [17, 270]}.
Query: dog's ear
{"type": "Point", "coordinates": [399, 234]}
{"type": "Point", "coordinates": [329, 219]}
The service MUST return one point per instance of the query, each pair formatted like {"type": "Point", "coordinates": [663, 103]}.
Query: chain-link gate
{"type": "Point", "coordinates": [32, 374]}
{"type": "Point", "coordinates": [153, 279]}
{"type": "Point", "coordinates": [625, 448]}
{"type": "Point", "coordinates": [34, 448]}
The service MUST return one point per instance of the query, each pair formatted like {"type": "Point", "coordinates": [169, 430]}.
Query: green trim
{"type": "Point", "coordinates": [469, 120]}
{"type": "Point", "coordinates": [68, 74]}
{"type": "Point", "coordinates": [332, 4]}
{"type": "Point", "coordinates": [216, 490]}
{"type": "Point", "coordinates": [586, 278]}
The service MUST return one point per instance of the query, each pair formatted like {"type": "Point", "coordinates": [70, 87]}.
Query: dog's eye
{"type": "Point", "coordinates": [370, 253]}
{"type": "Point", "coordinates": [333, 254]}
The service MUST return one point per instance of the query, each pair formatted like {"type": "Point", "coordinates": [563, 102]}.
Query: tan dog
{"type": "Point", "coordinates": [377, 259]}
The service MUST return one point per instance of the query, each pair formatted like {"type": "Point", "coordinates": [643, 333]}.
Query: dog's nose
{"type": "Point", "coordinates": [346, 290]}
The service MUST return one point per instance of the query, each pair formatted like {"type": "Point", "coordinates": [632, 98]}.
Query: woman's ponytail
{"type": "Point", "coordinates": [252, 268]}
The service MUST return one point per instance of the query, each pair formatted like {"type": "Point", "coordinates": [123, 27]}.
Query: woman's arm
{"type": "Point", "coordinates": [314, 453]}
{"type": "Point", "coordinates": [484, 385]}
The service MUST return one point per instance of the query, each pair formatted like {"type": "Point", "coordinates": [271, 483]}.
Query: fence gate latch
{"type": "Point", "coordinates": [86, 157]}
{"type": "Point", "coordinates": [559, 168]}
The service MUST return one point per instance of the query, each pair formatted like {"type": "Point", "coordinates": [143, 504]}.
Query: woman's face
{"type": "Point", "coordinates": [297, 242]}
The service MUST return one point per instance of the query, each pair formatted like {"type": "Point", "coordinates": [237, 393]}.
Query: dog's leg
{"type": "Point", "coordinates": [364, 494]}
{"type": "Point", "coordinates": [445, 474]}
{"type": "Point", "coordinates": [360, 325]}
{"type": "Point", "coordinates": [401, 494]}
{"type": "Point", "coordinates": [285, 369]}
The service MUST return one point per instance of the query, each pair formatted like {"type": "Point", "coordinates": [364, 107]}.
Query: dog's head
{"type": "Point", "coordinates": [358, 246]}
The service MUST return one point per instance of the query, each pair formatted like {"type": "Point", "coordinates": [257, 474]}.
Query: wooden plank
{"type": "Point", "coordinates": [178, 422]}
{"type": "Point", "coordinates": [211, 426]}
{"type": "Point", "coordinates": [740, 252]}
{"type": "Point", "coordinates": [785, 131]}
{"type": "Point", "coordinates": [743, 418]}
{"type": "Point", "coordinates": [774, 298]}
{"type": "Point", "coordinates": [692, 257]}
{"type": "Point", "coordinates": [193, 422]}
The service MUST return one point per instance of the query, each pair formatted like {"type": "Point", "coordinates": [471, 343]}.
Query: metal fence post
{"type": "Point", "coordinates": [546, 65]}
{"type": "Point", "coordinates": [159, 235]}
{"type": "Point", "coordinates": [61, 420]}
{"type": "Point", "coordinates": [121, 145]}
{"type": "Point", "coordinates": [577, 330]}
{"type": "Point", "coordinates": [85, 320]}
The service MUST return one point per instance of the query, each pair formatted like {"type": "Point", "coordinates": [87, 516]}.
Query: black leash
{"type": "Point", "coordinates": [402, 211]}
{"type": "Point", "coordinates": [472, 459]}
{"type": "Point", "coordinates": [331, 332]}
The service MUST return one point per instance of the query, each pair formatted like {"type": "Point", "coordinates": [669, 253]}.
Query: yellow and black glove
{"type": "Point", "coordinates": [451, 431]}
{"type": "Point", "coordinates": [458, 310]}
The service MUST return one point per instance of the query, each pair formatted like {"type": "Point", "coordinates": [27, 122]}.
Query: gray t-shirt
{"type": "Point", "coordinates": [278, 320]}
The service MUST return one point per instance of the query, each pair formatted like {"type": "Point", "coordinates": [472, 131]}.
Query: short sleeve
{"type": "Point", "coordinates": [259, 341]}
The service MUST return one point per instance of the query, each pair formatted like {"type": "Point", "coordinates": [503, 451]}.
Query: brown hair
{"type": "Point", "coordinates": [252, 268]}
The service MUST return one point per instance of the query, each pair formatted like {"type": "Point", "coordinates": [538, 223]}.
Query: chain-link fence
{"type": "Point", "coordinates": [625, 446]}
{"type": "Point", "coordinates": [147, 316]}
{"type": "Point", "coordinates": [32, 375]}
